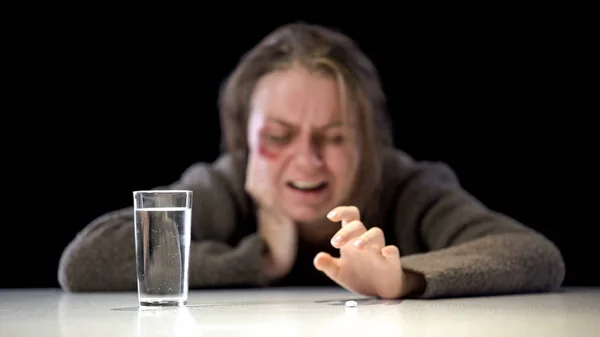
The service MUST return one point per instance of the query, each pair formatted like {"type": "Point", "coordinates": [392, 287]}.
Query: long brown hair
{"type": "Point", "coordinates": [325, 51]}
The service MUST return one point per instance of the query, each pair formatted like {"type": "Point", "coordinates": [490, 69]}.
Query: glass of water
{"type": "Point", "coordinates": [162, 244]}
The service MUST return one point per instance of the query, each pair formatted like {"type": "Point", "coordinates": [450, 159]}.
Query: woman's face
{"type": "Point", "coordinates": [296, 128]}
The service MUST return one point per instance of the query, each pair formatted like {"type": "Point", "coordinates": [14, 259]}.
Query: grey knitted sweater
{"type": "Point", "coordinates": [459, 245]}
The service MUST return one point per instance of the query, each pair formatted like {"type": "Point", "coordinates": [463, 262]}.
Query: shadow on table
{"type": "Point", "coordinates": [332, 302]}
{"type": "Point", "coordinates": [145, 309]}
{"type": "Point", "coordinates": [361, 302]}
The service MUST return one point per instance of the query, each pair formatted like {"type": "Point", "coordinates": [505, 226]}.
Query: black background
{"type": "Point", "coordinates": [106, 102]}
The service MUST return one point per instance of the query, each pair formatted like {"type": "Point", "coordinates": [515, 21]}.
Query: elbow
{"type": "Point", "coordinates": [553, 265]}
{"type": "Point", "coordinates": [68, 278]}
{"type": "Point", "coordinates": [73, 274]}
{"type": "Point", "coordinates": [101, 257]}
{"type": "Point", "coordinates": [544, 264]}
{"type": "Point", "coordinates": [83, 269]}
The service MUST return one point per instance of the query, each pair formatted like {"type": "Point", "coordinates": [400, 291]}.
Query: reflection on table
{"type": "Point", "coordinates": [297, 312]}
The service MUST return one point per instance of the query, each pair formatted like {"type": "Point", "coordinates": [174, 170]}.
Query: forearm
{"type": "Point", "coordinates": [413, 284]}
{"type": "Point", "coordinates": [213, 263]}
{"type": "Point", "coordinates": [102, 258]}
{"type": "Point", "coordinates": [495, 264]}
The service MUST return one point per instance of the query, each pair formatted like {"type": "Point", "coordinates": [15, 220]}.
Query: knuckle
{"type": "Point", "coordinates": [376, 231]}
{"type": "Point", "coordinates": [347, 210]}
{"type": "Point", "coordinates": [343, 210]}
{"type": "Point", "coordinates": [355, 224]}
{"type": "Point", "coordinates": [393, 249]}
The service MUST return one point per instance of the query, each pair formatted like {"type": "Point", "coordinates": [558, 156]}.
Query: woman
{"type": "Point", "coordinates": [311, 192]}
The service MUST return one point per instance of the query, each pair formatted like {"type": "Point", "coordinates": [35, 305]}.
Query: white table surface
{"type": "Point", "coordinates": [297, 312]}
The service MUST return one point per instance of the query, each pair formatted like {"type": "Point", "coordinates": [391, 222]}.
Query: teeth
{"type": "Point", "coordinates": [306, 184]}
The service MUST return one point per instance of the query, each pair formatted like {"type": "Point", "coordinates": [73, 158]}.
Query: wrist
{"type": "Point", "coordinates": [270, 217]}
{"type": "Point", "coordinates": [412, 283]}
{"type": "Point", "coordinates": [272, 268]}
{"type": "Point", "coordinates": [279, 236]}
{"type": "Point", "coordinates": [268, 267]}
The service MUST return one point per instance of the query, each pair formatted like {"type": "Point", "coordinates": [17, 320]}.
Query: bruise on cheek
{"type": "Point", "coordinates": [266, 150]}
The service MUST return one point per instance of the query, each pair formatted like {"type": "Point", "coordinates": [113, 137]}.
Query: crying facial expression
{"type": "Point", "coordinates": [298, 129]}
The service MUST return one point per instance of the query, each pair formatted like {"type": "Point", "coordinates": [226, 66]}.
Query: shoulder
{"type": "Point", "coordinates": [409, 185]}
{"type": "Point", "coordinates": [221, 171]}
{"type": "Point", "coordinates": [218, 188]}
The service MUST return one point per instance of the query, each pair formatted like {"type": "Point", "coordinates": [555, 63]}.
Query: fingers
{"type": "Point", "coordinates": [252, 177]}
{"type": "Point", "coordinates": [390, 252]}
{"type": "Point", "coordinates": [256, 176]}
{"type": "Point", "coordinates": [327, 264]}
{"type": "Point", "coordinates": [352, 230]}
{"type": "Point", "coordinates": [373, 236]}
{"type": "Point", "coordinates": [346, 214]}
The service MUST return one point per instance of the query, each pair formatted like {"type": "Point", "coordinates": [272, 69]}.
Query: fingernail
{"type": "Point", "coordinates": [331, 214]}
{"type": "Point", "coordinates": [337, 239]}
{"type": "Point", "coordinates": [359, 243]}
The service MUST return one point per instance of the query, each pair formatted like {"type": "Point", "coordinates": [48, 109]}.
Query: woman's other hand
{"type": "Point", "coordinates": [278, 231]}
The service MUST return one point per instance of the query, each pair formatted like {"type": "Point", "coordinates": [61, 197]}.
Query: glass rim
{"type": "Point", "coordinates": [162, 191]}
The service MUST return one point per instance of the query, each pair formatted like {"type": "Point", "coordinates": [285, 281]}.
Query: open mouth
{"type": "Point", "coordinates": [307, 186]}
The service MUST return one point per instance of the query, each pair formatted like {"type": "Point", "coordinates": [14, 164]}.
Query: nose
{"type": "Point", "coordinates": [309, 154]}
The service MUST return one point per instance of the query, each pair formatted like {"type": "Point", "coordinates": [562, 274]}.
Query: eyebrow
{"type": "Point", "coordinates": [325, 127]}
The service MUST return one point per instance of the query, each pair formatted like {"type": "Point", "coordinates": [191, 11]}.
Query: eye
{"type": "Point", "coordinates": [335, 139]}
{"type": "Point", "coordinates": [277, 139]}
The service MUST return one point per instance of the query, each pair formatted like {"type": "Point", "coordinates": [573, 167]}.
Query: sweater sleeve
{"type": "Point", "coordinates": [102, 256]}
{"type": "Point", "coordinates": [468, 249]}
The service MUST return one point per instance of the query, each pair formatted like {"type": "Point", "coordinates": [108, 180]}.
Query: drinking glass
{"type": "Point", "coordinates": [162, 244]}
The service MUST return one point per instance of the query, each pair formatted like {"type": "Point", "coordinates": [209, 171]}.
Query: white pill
{"type": "Point", "coordinates": [351, 304]}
